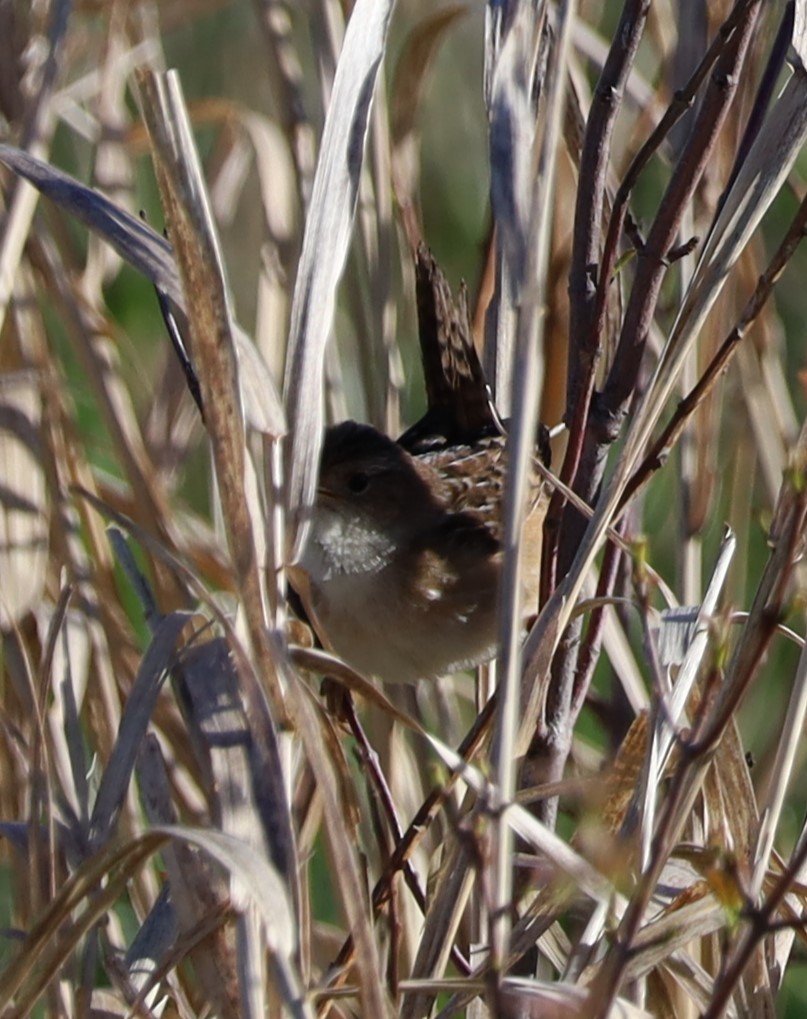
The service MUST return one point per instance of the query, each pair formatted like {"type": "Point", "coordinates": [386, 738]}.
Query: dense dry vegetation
{"type": "Point", "coordinates": [191, 825]}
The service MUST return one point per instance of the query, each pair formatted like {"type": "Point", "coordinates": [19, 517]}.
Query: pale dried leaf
{"type": "Point", "coordinates": [23, 499]}
{"type": "Point", "coordinates": [325, 244]}
{"type": "Point", "coordinates": [250, 802]}
{"type": "Point", "coordinates": [266, 891]}
{"type": "Point", "coordinates": [800, 31]}
{"type": "Point", "coordinates": [585, 877]}
{"type": "Point", "coordinates": [156, 663]}
{"type": "Point", "coordinates": [198, 892]}
{"type": "Point", "coordinates": [134, 240]}
{"type": "Point", "coordinates": [151, 254]}
{"type": "Point", "coordinates": [447, 903]}
{"type": "Point", "coordinates": [512, 115]}
{"type": "Point", "coordinates": [673, 631]}
{"type": "Point", "coordinates": [542, 998]}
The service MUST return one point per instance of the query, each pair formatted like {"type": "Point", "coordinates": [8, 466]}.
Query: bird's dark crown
{"type": "Point", "coordinates": [350, 441]}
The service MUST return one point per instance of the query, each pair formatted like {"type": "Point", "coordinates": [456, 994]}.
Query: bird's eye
{"type": "Point", "coordinates": [358, 483]}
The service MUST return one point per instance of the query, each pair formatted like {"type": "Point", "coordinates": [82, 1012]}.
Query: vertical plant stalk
{"type": "Point", "coordinates": [603, 424]}
{"type": "Point", "coordinates": [585, 273]}
{"type": "Point", "coordinates": [38, 127]}
{"type": "Point", "coordinates": [521, 447]}
{"type": "Point", "coordinates": [325, 245]}
{"type": "Point", "coordinates": [788, 534]}
{"type": "Point", "coordinates": [181, 186]}
{"type": "Point", "coordinates": [284, 67]}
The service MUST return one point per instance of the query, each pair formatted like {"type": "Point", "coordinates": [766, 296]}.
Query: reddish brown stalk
{"type": "Point", "coordinates": [690, 403]}
{"type": "Point", "coordinates": [584, 343]}
{"type": "Point", "coordinates": [604, 421]}
{"type": "Point", "coordinates": [387, 803]}
{"type": "Point", "coordinates": [413, 835]}
{"type": "Point", "coordinates": [652, 260]}
{"type": "Point", "coordinates": [683, 101]}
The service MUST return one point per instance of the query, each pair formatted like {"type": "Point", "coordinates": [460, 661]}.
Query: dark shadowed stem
{"type": "Point", "coordinates": [652, 260]}
{"type": "Point", "coordinates": [589, 210]}
{"type": "Point", "coordinates": [387, 802]}
{"type": "Point", "coordinates": [687, 407]}
{"type": "Point", "coordinates": [584, 341]}
{"type": "Point", "coordinates": [605, 419]}
{"type": "Point", "coordinates": [762, 924]}
{"type": "Point", "coordinates": [590, 648]}
{"type": "Point", "coordinates": [413, 835]}
{"type": "Point", "coordinates": [393, 977]}
{"type": "Point", "coordinates": [683, 101]}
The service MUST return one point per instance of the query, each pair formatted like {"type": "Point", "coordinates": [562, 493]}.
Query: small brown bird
{"type": "Point", "coordinates": [404, 558]}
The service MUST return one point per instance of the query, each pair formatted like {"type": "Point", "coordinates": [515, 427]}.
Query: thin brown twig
{"type": "Point", "coordinates": [682, 102]}
{"type": "Point", "coordinates": [604, 422]}
{"type": "Point", "coordinates": [762, 925]}
{"type": "Point", "coordinates": [379, 782]}
{"type": "Point", "coordinates": [416, 831]}
{"type": "Point", "coordinates": [584, 342]}
{"type": "Point", "coordinates": [650, 270]}
{"type": "Point", "coordinates": [720, 361]}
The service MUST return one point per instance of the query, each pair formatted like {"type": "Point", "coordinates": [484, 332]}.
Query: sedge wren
{"type": "Point", "coordinates": [404, 558]}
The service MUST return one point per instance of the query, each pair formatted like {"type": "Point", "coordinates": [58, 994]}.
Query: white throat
{"type": "Point", "coordinates": [339, 546]}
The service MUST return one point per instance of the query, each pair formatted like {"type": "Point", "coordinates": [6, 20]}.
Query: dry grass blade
{"type": "Point", "coordinates": [527, 266]}
{"type": "Point", "coordinates": [325, 244]}
{"type": "Point", "coordinates": [267, 893]}
{"type": "Point", "coordinates": [198, 896]}
{"type": "Point", "coordinates": [321, 662]}
{"type": "Point", "coordinates": [133, 239]}
{"type": "Point", "coordinates": [671, 709]}
{"type": "Point", "coordinates": [23, 499]}
{"type": "Point", "coordinates": [252, 871]}
{"type": "Point", "coordinates": [691, 661]}
{"type": "Point", "coordinates": [43, 953]}
{"type": "Point", "coordinates": [448, 901]}
{"type": "Point", "coordinates": [154, 668]}
{"type": "Point", "coordinates": [151, 944]}
{"type": "Point", "coordinates": [345, 857]}
{"type": "Point", "coordinates": [213, 348]}
{"type": "Point", "coordinates": [625, 248]}
{"type": "Point", "coordinates": [584, 876]}
{"type": "Point", "coordinates": [553, 999]}
{"type": "Point", "coordinates": [149, 253]}
{"type": "Point", "coordinates": [512, 109]}
{"type": "Point", "coordinates": [250, 802]}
